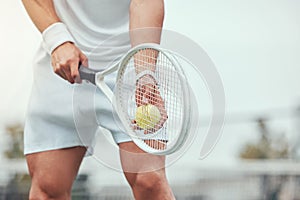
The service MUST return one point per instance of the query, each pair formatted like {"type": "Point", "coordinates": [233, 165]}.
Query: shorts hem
{"type": "Point", "coordinates": [39, 148]}
{"type": "Point", "coordinates": [121, 137]}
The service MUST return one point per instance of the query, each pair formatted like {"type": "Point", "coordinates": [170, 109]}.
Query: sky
{"type": "Point", "coordinates": [255, 45]}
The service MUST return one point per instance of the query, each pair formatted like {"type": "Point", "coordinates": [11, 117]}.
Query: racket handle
{"type": "Point", "coordinates": [87, 74]}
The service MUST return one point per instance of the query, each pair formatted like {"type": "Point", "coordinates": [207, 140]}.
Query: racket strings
{"type": "Point", "coordinates": [166, 96]}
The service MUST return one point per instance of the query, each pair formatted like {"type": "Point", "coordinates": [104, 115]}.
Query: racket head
{"type": "Point", "coordinates": [172, 87]}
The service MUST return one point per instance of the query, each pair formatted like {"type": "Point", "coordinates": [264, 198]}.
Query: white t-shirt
{"type": "Point", "coordinates": [99, 27]}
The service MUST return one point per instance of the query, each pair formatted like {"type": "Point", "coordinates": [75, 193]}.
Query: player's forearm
{"type": "Point", "coordinates": [146, 14]}
{"type": "Point", "coordinates": [54, 32]}
{"type": "Point", "coordinates": [41, 12]}
{"type": "Point", "coordinates": [146, 21]}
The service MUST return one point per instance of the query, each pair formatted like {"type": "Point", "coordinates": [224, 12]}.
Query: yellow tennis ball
{"type": "Point", "coordinates": [147, 116]}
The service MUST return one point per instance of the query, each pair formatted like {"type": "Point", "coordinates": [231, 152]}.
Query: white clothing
{"type": "Point", "coordinates": [50, 117]}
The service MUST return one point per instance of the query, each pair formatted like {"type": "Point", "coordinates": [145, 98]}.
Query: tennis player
{"type": "Point", "coordinates": [70, 29]}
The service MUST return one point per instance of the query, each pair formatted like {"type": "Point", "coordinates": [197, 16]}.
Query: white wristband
{"type": "Point", "coordinates": [55, 35]}
{"type": "Point", "coordinates": [145, 80]}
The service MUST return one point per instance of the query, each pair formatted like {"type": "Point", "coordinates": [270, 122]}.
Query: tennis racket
{"type": "Point", "coordinates": [150, 97]}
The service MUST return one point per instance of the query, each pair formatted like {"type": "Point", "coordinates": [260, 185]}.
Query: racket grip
{"type": "Point", "coordinates": [87, 74]}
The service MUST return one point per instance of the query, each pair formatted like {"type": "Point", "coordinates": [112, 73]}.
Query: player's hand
{"type": "Point", "coordinates": [65, 60]}
{"type": "Point", "coordinates": [149, 94]}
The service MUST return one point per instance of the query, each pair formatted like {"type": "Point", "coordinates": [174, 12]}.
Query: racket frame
{"type": "Point", "coordinates": [97, 78]}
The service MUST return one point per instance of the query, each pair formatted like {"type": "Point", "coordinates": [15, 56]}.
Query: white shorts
{"type": "Point", "coordinates": [62, 115]}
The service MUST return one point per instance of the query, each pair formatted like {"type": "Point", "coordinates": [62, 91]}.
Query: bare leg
{"type": "Point", "coordinates": [145, 173]}
{"type": "Point", "coordinates": [53, 173]}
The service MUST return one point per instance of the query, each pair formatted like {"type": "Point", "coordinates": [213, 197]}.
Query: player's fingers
{"type": "Point", "coordinates": [74, 73]}
{"type": "Point", "coordinates": [152, 94]}
{"type": "Point", "coordinates": [158, 100]}
{"type": "Point", "coordinates": [136, 127]}
{"type": "Point", "coordinates": [139, 95]}
{"type": "Point", "coordinates": [147, 93]}
{"type": "Point", "coordinates": [133, 124]}
{"type": "Point", "coordinates": [57, 68]}
{"type": "Point", "coordinates": [61, 74]}
{"type": "Point", "coordinates": [62, 68]}
{"type": "Point", "coordinates": [83, 59]}
{"type": "Point", "coordinates": [68, 75]}
{"type": "Point", "coordinates": [157, 97]}
{"type": "Point", "coordinates": [163, 120]}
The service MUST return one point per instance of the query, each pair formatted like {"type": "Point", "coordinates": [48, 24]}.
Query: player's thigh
{"type": "Point", "coordinates": [55, 169]}
{"type": "Point", "coordinates": [134, 160]}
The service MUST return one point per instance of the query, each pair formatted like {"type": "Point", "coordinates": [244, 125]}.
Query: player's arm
{"type": "Point", "coordinates": [42, 13]}
{"type": "Point", "coordinates": [57, 40]}
{"type": "Point", "coordinates": [145, 14]}
{"type": "Point", "coordinates": [146, 21]}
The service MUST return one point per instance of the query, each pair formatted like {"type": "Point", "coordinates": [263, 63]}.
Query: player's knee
{"type": "Point", "coordinates": [47, 188]}
{"type": "Point", "coordinates": [149, 181]}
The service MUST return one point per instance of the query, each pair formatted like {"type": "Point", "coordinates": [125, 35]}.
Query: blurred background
{"type": "Point", "coordinates": [255, 45]}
